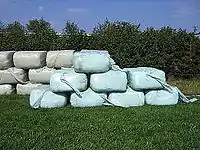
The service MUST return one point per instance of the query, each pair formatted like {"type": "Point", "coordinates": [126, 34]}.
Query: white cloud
{"type": "Point", "coordinates": [77, 10]}
{"type": "Point", "coordinates": [40, 8]}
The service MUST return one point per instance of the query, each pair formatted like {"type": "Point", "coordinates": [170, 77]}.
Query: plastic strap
{"type": "Point", "coordinates": [16, 78]}
{"type": "Point", "coordinates": [54, 62]}
{"type": "Point", "coordinates": [77, 92]}
{"type": "Point", "coordinates": [38, 102]}
{"type": "Point", "coordinates": [169, 88]}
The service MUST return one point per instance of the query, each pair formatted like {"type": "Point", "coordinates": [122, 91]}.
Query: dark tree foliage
{"type": "Point", "coordinates": [177, 52]}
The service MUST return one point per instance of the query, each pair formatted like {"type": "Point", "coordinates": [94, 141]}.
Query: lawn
{"type": "Point", "coordinates": [145, 127]}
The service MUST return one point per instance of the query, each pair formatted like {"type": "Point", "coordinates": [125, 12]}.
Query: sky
{"type": "Point", "coordinates": [88, 13]}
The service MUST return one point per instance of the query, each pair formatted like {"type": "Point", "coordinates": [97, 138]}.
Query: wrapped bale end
{"type": "Point", "coordinates": [41, 75]}
{"type": "Point", "coordinates": [111, 81]}
{"type": "Point", "coordinates": [58, 59]}
{"type": "Point", "coordinates": [40, 98]}
{"type": "Point", "coordinates": [68, 81]}
{"type": "Point", "coordinates": [6, 59]}
{"type": "Point", "coordinates": [162, 97]}
{"type": "Point", "coordinates": [88, 98]}
{"type": "Point", "coordinates": [145, 78]}
{"type": "Point", "coordinates": [149, 70]}
{"type": "Point", "coordinates": [91, 62]}
{"type": "Point", "coordinates": [25, 89]}
{"type": "Point", "coordinates": [29, 59]}
{"type": "Point", "coordinates": [7, 89]}
{"type": "Point", "coordinates": [129, 98]}
{"type": "Point", "coordinates": [13, 76]}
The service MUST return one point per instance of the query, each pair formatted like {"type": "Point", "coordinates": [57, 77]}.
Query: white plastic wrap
{"type": "Point", "coordinates": [129, 98]}
{"type": "Point", "coordinates": [29, 59]}
{"type": "Point", "coordinates": [13, 76]}
{"type": "Point", "coordinates": [91, 62]}
{"type": "Point", "coordinates": [25, 89]}
{"type": "Point", "coordinates": [162, 97]}
{"type": "Point", "coordinates": [7, 89]}
{"type": "Point", "coordinates": [58, 59]}
{"type": "Point", "coordinates": [141, 78]}
{"type": "Point", "coordinates": [40, 98]}
{"type": "Point", "coordinates": [41, 75]}
{"type": "Point", "coordinates": [88, 98]}
{"type": "Point", "coordinates": [111, 81]}
{"type": "Point", "coordinates": [6, 59]}
{"type": "Point", "coordinates": [77, 81]}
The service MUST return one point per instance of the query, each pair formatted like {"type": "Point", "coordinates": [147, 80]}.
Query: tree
{"type": "Point", "coordinates": [41, 35]}
{"type": "Point", "coordinates": [1, 26]}
{"type": "Point", "coordinates": [119, 38]}
{"type": "Point", "coordinates": [14, 36]}
{"type": "Point", "coordinates": [73, 37]}
{"type": "Point", "coordinates": [71, 28]}
{"type": "Point", "coordinates": [36, 26]}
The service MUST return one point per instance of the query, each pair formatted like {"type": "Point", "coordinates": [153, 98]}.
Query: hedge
{"type": "Point", "coordinates": [177, 52]}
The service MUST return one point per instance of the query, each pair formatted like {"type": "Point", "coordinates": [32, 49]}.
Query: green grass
{"type": "Point", "coordinates": [145, 127]}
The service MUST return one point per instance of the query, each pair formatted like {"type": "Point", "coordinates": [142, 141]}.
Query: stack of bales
{"type": "Point", "coordinates": [7, 70]}
{"type": "Point", "coordinates": [23, 71]}
{"type": "Point", "coordinates": [95, 80]}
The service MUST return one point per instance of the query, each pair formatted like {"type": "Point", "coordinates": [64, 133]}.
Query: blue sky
{"type": "Point", "coordinates": [88, 13]}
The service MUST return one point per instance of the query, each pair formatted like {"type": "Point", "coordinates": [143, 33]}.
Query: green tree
{"type": "Point", "coordinates": [13, 37]}
{"type": "Point", "coordinates": [73, 37]}
{"type": "Point", "coordinates": [41, 35]}
{"type": "Point", "coordinates": [120, 39]}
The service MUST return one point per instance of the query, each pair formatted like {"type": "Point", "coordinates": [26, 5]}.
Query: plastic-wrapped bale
{"type": "Point", "coordinates": [29, 59]}
{"type": "Point", "coordinates": [129, 98]}
{"type": "Point", "coordinates": [90, 62]}
{"type": "Point", "coordinates": [72, 80]}
{"type": "Point", "coordinates": [102, 52]}
{"type": "Point", "coordinates": [141, 78]}
{"type": "Point", "coordinates": [162, 97]}
{"type": "Point", "coordinates": [25, 89]}
{"type": "Point", "coordinates": [88, 98]}
{"type": "Point", "coordinates": [6, 59]}
{"type": "Point", "coordinates": [111, 81]}
{"type": "Point", "coordinates": [58, 59]}
{"type": "Point", "coordinates": [43, 98]}
{"type": "Point", "coordinates": [41, 75]}
{"type": "Point", "coordinates": [13, 76]}
{"type": "Point", "coordinates": [7, 89]}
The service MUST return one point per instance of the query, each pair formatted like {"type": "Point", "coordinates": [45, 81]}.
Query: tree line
{"type": "Point", "coordinates": [175, 51]}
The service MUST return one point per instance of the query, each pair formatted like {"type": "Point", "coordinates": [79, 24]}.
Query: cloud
{"type": "Point", "coordinates": [183, 9]}
{"type": "Point", "coordinates": [77, 10]}
{"type": "Point", "coordinates": [40, 8]}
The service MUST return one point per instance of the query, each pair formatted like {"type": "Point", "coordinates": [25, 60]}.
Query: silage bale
{"type": "Point", "coordinates": [88, 98]}
{"type": "Point", "coordinates": [7, 89]}
{"type": "Point", "coordinates": [129, 98]}
{"type": "Point", "coordinates": [13, 76]}
{"type": "Point", "coordinates": [41, 75]}
{"type": "Point", "coordinates": [91, 62]}
{"type": "Point", "coordinates": [6, 59]}
{"type": "Point", "coordinates": [67, 81]}
{"type": "Point", "coordinates": [29, 59]}
{"type": "Point", "coordinates": [162, 97]}
{"type": "Point", "coordinates": [143, 78]}
{"type": "Point", "coordinates": [150, 70]}
{"type": "Point", "coordinates": [25, 89]}
{"type": "Point", "coordinates": [111, 81]}
{"type": "Point", "coordinates": [58, 59]}
{"type": "Point", "coordinates": [43, 98]}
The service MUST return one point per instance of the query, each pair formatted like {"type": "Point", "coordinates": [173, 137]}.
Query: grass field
{"type": "Point", "coordinates": [145, 127]}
